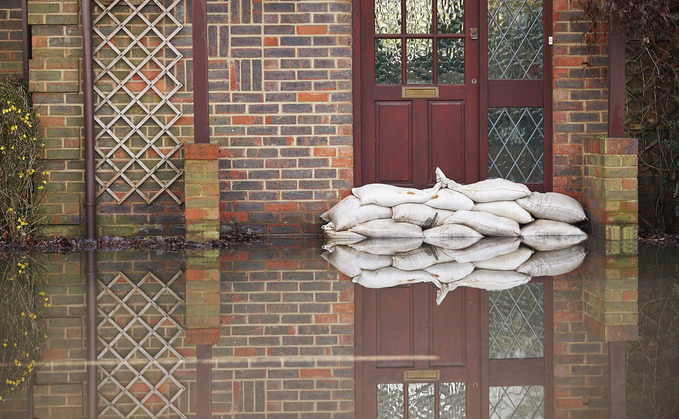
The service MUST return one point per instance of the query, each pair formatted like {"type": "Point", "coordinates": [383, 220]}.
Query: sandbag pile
{"type": "Point", "coordinates": [450, 223]}
{"type": "Point", "coordinates": [492, 263]}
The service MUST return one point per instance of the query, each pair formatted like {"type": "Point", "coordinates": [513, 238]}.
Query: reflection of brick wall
{"type": "Point", "coordinates": [11, 63]}
{"type": "Point", "coordinates": [286, 336]}
{"type": "Point", "coordinates": [580, 96]}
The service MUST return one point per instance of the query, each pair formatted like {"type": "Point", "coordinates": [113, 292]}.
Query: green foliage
{"type": "Point", "coordinates": [21, 328]}
{"type": "Point", "coordinates": [22, 182]}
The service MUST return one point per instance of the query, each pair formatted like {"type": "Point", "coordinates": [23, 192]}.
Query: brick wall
{"type": "Point", "coordinates": [11, 61]}
{"type": "Point", "coordinates": [280, 95]}
{"type": "Point", "coordinates": [580, 96]}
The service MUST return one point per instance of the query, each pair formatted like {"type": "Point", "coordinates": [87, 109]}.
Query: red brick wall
{"type": "Point", "coordinates": [11, 63]}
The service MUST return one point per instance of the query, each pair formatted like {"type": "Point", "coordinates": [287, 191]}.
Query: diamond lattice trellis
{"type": "Point", "coordinates": [137, 360]}
{"type": "Point", "coordinates": [134, 84]}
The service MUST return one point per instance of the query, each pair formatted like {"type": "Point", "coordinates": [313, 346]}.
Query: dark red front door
{"type": "Point", "coordinates": [419, 91]}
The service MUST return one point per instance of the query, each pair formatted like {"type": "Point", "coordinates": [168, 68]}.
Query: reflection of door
{"type": "Point", "coordinates": [419, 90]}
{"type": "Point", "coordinates": [464, 85]}
{"type": "Point", "coordinates": [478, 355]}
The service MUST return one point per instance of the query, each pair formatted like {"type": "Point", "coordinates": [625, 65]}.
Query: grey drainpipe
{"type": "Point", "coordinates": [88, 112]}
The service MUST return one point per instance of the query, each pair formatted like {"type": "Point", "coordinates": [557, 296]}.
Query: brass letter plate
{"type": "Point", "coordinates": [419, 92]}
{"type": "Point", "coordinates": [421, 375]}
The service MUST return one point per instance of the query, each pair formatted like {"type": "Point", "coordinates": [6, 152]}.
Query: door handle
{"type": "Point", "coordinates": [473, 33]}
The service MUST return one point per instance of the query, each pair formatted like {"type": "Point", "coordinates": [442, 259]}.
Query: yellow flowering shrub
{"type": "Point", "coordinates": [22, 181]}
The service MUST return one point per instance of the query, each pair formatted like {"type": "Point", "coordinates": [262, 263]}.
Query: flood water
{"type": "Point", "coordinates": [274, 330]}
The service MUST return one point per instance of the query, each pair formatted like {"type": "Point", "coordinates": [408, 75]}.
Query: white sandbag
{"type": "Point", "coordinates": [555, 262]}
{"type": "Point", "coordinates": [421, 258]}
{"type": "Point", "coordinates": [450, 271]}
{"type": "Point", "coordinates": [488, 190]}
{"type": "Point", "coordinates": [493, 280]}
{"type": "Point", "coordinates": [485, 249]}
{"type": "Point", "coordinates": [349, 212]}
{"type": "Point", "coordinates": [452, 236]}
{"type": "Point", "coordinates": [351, 262]}
{"type": "Point", "coordinates": [419, 214]}
{"type": "Point", "coordinates": [553, 206]}
{"type": "Point", "coordinates": [545, 235]}
{"type": "Point", "coordinates": [387, 247]}
{"type": "Point", "coordinates": [345, 237]}
{"type": "Point", "coordinates": [444, 290]}
{"type": "Point", "coordinates": [485, 223]}
{"type": "Point", "coordinates": [389, 195]}
{"type": "Point", "coordinates": [391, 277]}
{"type": "Point", "coordinates": [507, 209]}
{"type": "Point", "coordinates": [451, 200]}
{"type": "Point", "coordinates": [508, 262]}
{"type": "Point", "coordinates": [388, 229]}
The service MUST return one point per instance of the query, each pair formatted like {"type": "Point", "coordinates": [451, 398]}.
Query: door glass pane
{"type": "Point", "coordinates": [387, 16]}
{"type": "Point", "coordinates": [517, 402]}
{"type": "Point", "coordinates": [421, 400]}
{"type": "Point", "coordinates": [452, 400]}
{"type": "Point", "coordinates": [418, 16]}
{"type": "Point", "coordinates": [419, 54]}
{"type": "Point", "coordinates": [516, 322]}
{"type": "Point", "coordinates": [450, 61]}
{"type": "Point", "coordinates": [450, 16]}
{"type": "Point", "coordinates": [390, 401]}
{"type": "Point", "coordinates": [515, 38]}
{"type": "Point", "coordinates": [388, 61]}
{"type": "Point", "coordinates": [515, 144]}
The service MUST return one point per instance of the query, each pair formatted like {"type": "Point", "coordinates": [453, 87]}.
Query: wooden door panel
{"type": "Point", "coordinates": [394, 142]}
{"type": "Point", "coordinates": [448, 333]}
{"type": "Point", "coordinates": [395, 331]}
{"type": "Point", "coordinates": [447, 135]}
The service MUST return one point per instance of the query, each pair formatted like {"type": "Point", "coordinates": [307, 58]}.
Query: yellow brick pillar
{"type": "Point", "coordinates": [201, 180]}
{"type": "Point", "coordinates": [202, 296]}
{"type": "Point", "coordinates": [611, 197]}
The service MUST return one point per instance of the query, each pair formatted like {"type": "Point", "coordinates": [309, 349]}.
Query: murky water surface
{"type": "Point", "coordinates": [277, 331]}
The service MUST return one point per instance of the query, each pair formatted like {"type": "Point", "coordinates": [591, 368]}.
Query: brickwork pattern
{"type": "Point", "coordinates": [202, 296]}
{"type": "Point", "coordinates": [11, 54]}
{"type": "Point", "coordinates": [201, 177]}
{"type": "Point", "coordinates": [580, 96]}
{"type": "Point", "coordinates": [610, 187]}
{"type": "Point", "coordinates": [286, 337]}
{"type": "Point", "coordinates": [280, 91]}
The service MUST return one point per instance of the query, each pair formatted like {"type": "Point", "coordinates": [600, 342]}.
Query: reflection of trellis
{"type": "Point", "coordinates": [137, 359]}
{"type": "Point", "coordinates": [134, 85]}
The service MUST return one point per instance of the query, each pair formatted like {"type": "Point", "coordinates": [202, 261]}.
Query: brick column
{"type": "Point", "coordinates": [202, 297]}
{"type": "Point", "coordinates": [201, 179]}
{"type": "Point", "coordinates": [610, 187]}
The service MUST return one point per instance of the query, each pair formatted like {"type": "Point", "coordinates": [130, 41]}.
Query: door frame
{"type": "Point", "coordinates": [483, 103]}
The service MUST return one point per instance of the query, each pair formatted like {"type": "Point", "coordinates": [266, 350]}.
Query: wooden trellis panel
{"type": "Point", "coordinates": [134, 85]}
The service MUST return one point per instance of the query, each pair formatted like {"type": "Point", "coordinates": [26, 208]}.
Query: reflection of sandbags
{"type": "Point", "coordinates": [493, 280]}
{"type": "Point", "coordinates": [485, 223]}
{"type": "Point", "coordinates": [349, 212]}
{"type": "Point", "coordinates": [452, 236]}
{"type": "Point", "coordinates": [508, 262]}
{"type": "Point", "coordinates": [420, 258]}
{"type": "Point", "coordinates": [485, 249]}
{"type": "Point", "coordinates": [345, 237]}
{"type": "Point", "coordinates": [448, 199]}
{"type": "Point", "coordinates": [350, 262]}
{"type": "Point", "coordinates": [391, 277]}
{"type": "Point", "coordinates": [387, 246]}
{"type": "Point", "coordinates": [388, 229]}
{"type": "Point", "coordinates": [553, 206]}
{"type": "Point", "coordinates": [443, 291]}
{"type": "Point", "coordinates": [555, 262]}
{"type": "Point", "coordinates": [419, 214]}
{"type": "Point", "coordinates": [507, 209]}
{"type": "Point", "coordinates": [489, 190]}
{"type": "Point", "coordinates": [547, 235]}
{"type": "Point", "coordinates": [389, 195]}
{"type": "Point", "coordinates": [450, 272]}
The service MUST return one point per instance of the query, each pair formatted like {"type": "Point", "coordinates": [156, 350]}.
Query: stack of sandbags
{"type": "Point", "coordinates": [491, 263]}
{"type": "Point", "coordinates": [452, 215]}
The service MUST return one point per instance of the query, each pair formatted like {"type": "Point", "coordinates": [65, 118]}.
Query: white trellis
{"type": "Point", "coordinates": [134, 84]}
